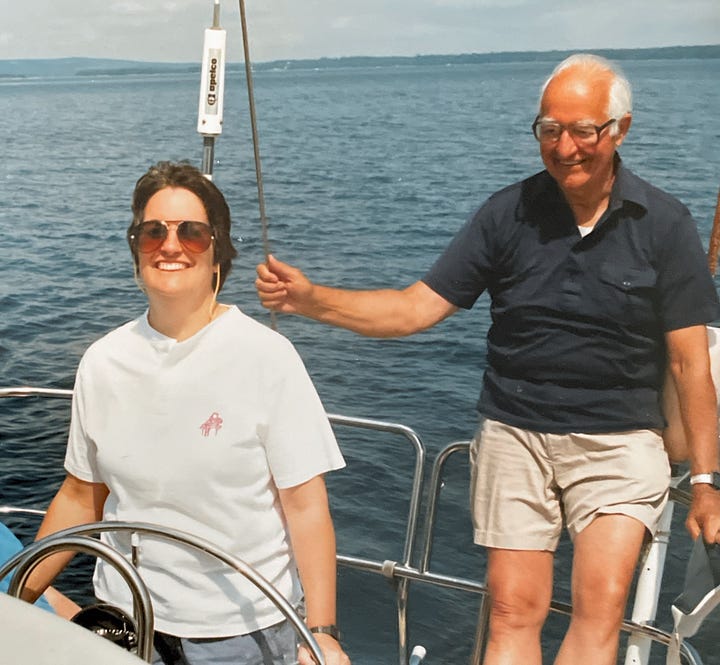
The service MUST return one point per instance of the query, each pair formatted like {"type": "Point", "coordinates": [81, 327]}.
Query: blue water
{"type": "Point", "coordinates": [368, 173]}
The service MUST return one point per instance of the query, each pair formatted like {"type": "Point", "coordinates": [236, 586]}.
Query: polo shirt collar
{"type": "Point", "coordinates": [627, 188]}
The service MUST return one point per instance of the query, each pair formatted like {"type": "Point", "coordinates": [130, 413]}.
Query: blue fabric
{"type": "Point", "coordinates": [275, 645]}
{"type": "Point", "coordinates": [577, 336]}
{"type": "Point", "coordinates": [9, 546]}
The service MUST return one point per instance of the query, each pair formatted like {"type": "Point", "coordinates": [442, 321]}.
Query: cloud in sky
{"type": "Point", "coordinates": [171, 30]}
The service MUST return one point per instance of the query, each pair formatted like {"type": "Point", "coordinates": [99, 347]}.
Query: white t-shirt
{"type": "Point", "coordinates": [198, 435]}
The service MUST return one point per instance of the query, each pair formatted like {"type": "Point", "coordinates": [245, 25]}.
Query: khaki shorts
{"type": "Point", "coordinates": [524, 484]}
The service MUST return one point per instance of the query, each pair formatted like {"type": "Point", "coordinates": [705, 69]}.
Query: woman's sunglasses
{"type": "Point", "coordinates": [149, 236]}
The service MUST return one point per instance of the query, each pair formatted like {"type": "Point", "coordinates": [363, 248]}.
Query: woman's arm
{"type": "Point", "coordinates": [61, 604]}
{"type": "Point", "coordinates": [76, 502]}
{"type": "Point", "coordinates": [313, 541]}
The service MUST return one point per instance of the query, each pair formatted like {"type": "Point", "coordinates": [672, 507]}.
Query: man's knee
{"type": "Point", "coordinates": [515, 604]}
{"type": "Point", "coordinates": [514, 613]}
{"type": "Point", "coordinates": [520, 586]}
{"type": "Point", "coordinates": [602, 598]}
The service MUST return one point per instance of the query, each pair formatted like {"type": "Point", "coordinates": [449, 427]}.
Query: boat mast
{"type": "Point", "coordinates": [212, 89]}
{"type": "Point", "coordinates": [210, 108]}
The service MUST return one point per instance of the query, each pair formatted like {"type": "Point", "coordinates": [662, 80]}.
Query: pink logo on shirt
{"type": "Point", "coordinates": [214, 422]}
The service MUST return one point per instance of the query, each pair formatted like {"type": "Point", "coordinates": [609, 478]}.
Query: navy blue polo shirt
{"type": "Point", "coordinates": [577, 336]}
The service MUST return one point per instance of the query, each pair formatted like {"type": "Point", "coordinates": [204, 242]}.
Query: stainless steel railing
{"type": "Point", "coordinates": [77, 539]}
{"type": "Point", "coordinates": [33, 555]}
{"type": "Point", "coordinates": [415, 566]}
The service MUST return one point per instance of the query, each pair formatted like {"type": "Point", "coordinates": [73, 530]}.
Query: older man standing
{"type": "Point", "coordinates": [597, 282]}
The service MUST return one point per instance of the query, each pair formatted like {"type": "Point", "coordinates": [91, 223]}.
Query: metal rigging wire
{"type": "Point", "coordinates": [256, 145]}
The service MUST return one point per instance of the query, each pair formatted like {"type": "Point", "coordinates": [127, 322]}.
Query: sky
{"type": "Point", "coordinates": [172, 30]}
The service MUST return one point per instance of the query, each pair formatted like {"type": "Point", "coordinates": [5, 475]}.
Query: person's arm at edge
{"type": "Point", "coordinates": [689, 364]}
{"type": "Point", "coordinates": [674, 432]}
{"type": "Point", "coordinates": [379, 313]}
{"type": "Point", "coordinates": [76, 502]}
{"type": "Point", "coordinates": [313, 542]}
{"type": "Point", "coordinates": [62, 605]}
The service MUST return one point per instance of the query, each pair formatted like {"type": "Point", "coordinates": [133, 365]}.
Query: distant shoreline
{"type": "Point", "coordinates": [64, 67]}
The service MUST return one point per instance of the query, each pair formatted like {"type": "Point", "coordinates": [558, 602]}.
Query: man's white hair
{"type": "Point", "coordinates": [620, 97]}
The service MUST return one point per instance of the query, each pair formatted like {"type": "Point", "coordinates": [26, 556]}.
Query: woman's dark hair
{"type": "Point", "coordinates": [185, 176]}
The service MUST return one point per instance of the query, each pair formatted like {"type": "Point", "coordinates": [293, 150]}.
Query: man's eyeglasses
{"type": "Point", "coordinates": [583, 133]}
{"type": "Point", "coordinates": [149, 236]}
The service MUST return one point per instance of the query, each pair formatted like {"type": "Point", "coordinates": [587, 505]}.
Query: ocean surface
{"type": "Point", "coordinates": [368, 172]}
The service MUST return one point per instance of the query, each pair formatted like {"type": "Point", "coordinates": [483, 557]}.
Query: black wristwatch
{"type": "Point", "coordinates": [712, 479]}
{"type": "Point", "coordinates": [331, 630]}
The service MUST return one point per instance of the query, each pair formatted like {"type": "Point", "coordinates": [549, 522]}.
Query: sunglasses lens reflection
{"type": "Point", "coordinates": [195, 236]}
{"type": "Point", "coordinates": [150, 236]}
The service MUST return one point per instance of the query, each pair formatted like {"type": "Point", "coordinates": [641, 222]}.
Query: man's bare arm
{"type": "Point", "coordinates": [379, 313]}
{"type": "Point", "coordinates": [689, 364]}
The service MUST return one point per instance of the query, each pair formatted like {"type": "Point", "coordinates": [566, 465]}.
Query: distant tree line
{"type": "Point", "coordinates": [96, 67]}
{"type": "Point", "coordinates": [661, 53]}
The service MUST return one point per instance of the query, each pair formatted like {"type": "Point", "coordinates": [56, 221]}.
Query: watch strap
{"type": "Point", "coordinates": [331, 630]}
{"type": "Point", "coordinates": [706, 479]}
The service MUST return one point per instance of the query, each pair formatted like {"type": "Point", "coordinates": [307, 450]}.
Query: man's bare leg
{"type": "Point", "coordinates": [606, 554]}
{"type": "Point", "coordinates": [520, 586]}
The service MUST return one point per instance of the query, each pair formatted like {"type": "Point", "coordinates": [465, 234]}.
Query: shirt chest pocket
{"type": "Point", "coordinates": [627, 294]}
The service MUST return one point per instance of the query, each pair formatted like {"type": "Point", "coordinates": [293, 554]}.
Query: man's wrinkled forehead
{"type": "Point", "coordinates": [581, 92]}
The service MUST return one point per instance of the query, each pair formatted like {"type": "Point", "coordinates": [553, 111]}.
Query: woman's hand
{"type": "Point", "coordinates": [331, 649]}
